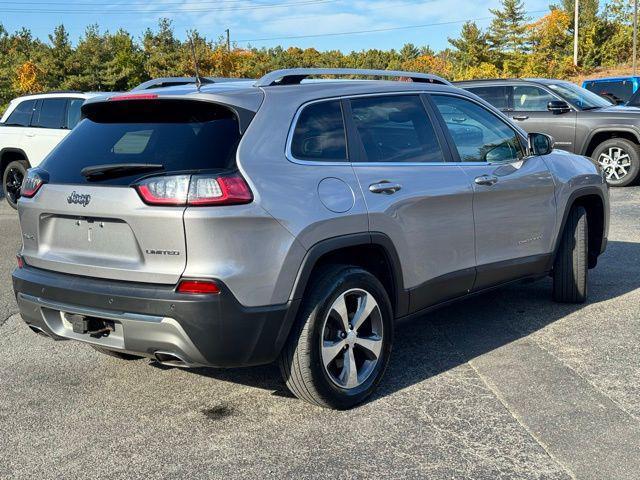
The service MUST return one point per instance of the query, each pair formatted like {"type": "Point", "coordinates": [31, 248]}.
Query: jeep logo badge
{"type": "Point", "coordinates": [79, 199]}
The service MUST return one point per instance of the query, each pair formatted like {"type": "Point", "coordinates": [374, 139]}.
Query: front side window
{"type": "Point", "coordinates": [51, 113]}
{"type": "Point", "coordinates": [319, 134]}
{"type": "Point", "coordinates": [395, 129]}
{"type": "Point", "coordinates": [478, 134]}
{"type": "Point", "coordinates": [21, 116]}
{"type": "Point", "coordinates": [527, 98]}
{"type": "Point", "coordinates": [496, 96]}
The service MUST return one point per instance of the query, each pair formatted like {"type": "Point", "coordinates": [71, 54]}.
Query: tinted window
{"type": "Point", "coordinates": [187, 143]}
{"type": "Point", "coordinates": [73, 112]}
{"type": "Point", "coordinates": [619, 91]}
{"type": "Point", "coordinates": [496, 96]}
{"type": "Point", "coordinates": [51, 113]}
{"type": "Point", "coordinates": [527, 98]}
{"type": "Point", "coordinates": [319, 133]}
{"type": "Point", "coordinates": [395, 129]}
{"type": "Point", "coordinates": [478, 134]}
{"type": "Point", "coordinates": [581, 97]}
{"type": "Point", "coordinates": [22, 114]}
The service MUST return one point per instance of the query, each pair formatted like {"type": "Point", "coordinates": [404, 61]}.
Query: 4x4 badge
{"type": "Point", "coordinates": [79, 199]}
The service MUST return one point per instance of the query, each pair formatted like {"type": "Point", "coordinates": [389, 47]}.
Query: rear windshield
{"type": "Point", "coordinates": [180, 136]}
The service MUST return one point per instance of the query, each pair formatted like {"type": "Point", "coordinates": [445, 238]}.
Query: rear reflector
{"type": "Point", "coordinates": [198, 287]}
{"type": "Point", "coordinates": [196, 190]}
{"type": "Point", "coordinates": [134, 96]}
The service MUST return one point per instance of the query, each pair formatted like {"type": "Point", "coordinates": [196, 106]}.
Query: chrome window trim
{"type": "Point", "coordinates": [348, 162]}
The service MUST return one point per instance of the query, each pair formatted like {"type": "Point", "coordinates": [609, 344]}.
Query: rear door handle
{"type": "Point", "coordinates": [486, 180]}
{"type": "Point", "coordinates": [520, 117]}
{"type": "Point", "coordinates": [384, 187]}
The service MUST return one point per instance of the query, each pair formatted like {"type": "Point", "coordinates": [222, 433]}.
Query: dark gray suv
{"type": "Point", "coordinates": [579, 120]}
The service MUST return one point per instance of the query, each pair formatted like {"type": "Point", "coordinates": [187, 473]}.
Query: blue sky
{"type": "Point", "coordinates": [266, 22]}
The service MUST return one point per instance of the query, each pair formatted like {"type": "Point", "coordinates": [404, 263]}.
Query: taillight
{"type": "Point", "coordinates": [20, 261]}
{"type": "Point", "coordinates": [31, 184]}
{"type": "Point", "coordinates": [203, 287]}
{"type": "Point", "coordinates": [196, 190]}
{"type": "Point", "coordinates": [211, 190]}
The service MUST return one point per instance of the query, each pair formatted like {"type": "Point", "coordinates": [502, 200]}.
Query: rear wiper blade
{"type": "Point", "coordinates": [117, 169]}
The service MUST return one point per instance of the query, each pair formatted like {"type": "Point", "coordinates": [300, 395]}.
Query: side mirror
{"type": "Point", "coordinates": [540, 144]}
{"type": "Point", "coordinates": [558, 106]}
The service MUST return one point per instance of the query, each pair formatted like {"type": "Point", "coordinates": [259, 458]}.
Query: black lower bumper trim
{"type": "Point", "coordinates": [226, 333]}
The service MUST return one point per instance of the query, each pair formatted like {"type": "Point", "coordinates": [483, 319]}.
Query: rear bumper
{"type": "Point", "coordinates": [202, 330]}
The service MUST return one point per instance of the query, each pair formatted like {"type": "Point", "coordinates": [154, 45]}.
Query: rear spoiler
{"type": "Point", "coordinates": [143, 107]}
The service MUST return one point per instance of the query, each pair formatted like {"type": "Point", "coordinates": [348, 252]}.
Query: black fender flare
{"type": "Point", "coordinates": [576, 195]}
{"type": "Point", "coordinates": [611, 129]}
{"type": "Point", "coordinates": [11, 150]}
{"type": "Point", "coordinates": [401, 300]}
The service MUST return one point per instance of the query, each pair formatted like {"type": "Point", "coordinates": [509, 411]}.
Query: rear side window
{"type": "Point", "coordinates": [51, 113]}
{"type": "Point", "coordinates": [496, 96]}
{"type": "Point", "coordinates": [22, 114]}
{"type": "Point", "coordinates": [319, 134]}
{"type": "Point", "coordinates": [73, 112]}
{"type": "Point", "coordinates": [179, 135]}
{"type": "Point", "coordinates": [395, 129]}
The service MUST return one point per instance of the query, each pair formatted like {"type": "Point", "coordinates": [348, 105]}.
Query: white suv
{"type": "Point", "coordinates": [29, 129]}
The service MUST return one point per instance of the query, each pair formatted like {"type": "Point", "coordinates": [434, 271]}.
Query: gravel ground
{"type": "Point", "coordinates": [505, 385]}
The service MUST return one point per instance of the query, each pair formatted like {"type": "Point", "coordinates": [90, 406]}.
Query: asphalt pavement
{"type": "Point", "coordinates": [504, 385]}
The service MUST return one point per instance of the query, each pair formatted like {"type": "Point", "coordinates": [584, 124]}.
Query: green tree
{"type": "Point", "coordinates": [508, 35]}
{"type": "Point", "coordinates": [57, 57]}
{"type": "Point", "coordinates": [161, 51]}
{"type": "Point", "coordinates": [471, 48]}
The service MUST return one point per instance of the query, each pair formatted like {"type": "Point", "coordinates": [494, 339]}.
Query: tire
{"type": "Point", "coordinates": [318, 325]}
{"type": "Point", "coordinates": [572, 260]}
{"type": "Point", "coordinates": [115, 354]}
{"type": "Point", "coordinates": [12, 181]}
{"type": "Point", "coordinates": [618, 157]}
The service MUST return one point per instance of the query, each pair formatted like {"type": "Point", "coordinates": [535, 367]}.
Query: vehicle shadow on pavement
{"type": "Point", "coordinates": [451, 336]}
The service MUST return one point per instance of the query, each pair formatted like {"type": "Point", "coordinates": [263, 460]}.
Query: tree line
{"type": "Point", "coordinates": [513, 45]}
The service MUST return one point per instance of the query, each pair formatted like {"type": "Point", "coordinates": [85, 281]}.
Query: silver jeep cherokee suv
{"type": "Point", "coordinates": [246, 222]}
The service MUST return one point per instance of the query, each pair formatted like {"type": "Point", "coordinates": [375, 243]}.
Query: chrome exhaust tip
{"type": "Point", "coordinates": [171, 359]}
{"type": "Point", "coordinates": [38, 330]}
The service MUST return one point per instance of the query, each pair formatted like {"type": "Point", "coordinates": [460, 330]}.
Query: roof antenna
{"type": "Point", "coordinates": [195, 63]}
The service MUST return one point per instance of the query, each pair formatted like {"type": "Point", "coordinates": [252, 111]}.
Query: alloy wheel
{"type": "Point", "coordinates": [352, 338]}
{"type": "Point", "coordinates": [615, 163]}
{"type": "Point", "coordinates": [13, 184]}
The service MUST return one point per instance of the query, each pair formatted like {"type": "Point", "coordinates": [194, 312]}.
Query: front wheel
{"type": "Point", "coordinates": [571, 265]}
{"type": "Point", "coordinates": [619, 159]}
{"type": "Point", "coordinates": [12, 181]}
{"type": "Point", "coordinates": [340, 345]}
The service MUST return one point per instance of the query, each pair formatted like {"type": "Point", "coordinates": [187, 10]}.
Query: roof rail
{"type": "Point", "coordinates": [177, 81]}
{"type": "Point", "coordinates": [293, 76]}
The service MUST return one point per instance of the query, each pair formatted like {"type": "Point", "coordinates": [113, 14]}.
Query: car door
{"type": "Point", "coordinates": [415, 194]}
{"type": "Point", "coordinates": [514, 203]}
{"type": "Point", "coordinates": [12, 133]}
{"type": "Point", "coordinates": [530, 111]}
{"type": "Point", "coordinates": [47, 128]}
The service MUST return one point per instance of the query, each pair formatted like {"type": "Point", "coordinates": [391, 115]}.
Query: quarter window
{"type": "Point", "coordinates": [51, 114]}
{"type": "Point", "coordinates": [73, 112]}
{"type": "Point", "coordinates": [395, 129]}
{"type": "Point", "coordinates": [527, 98]}
{"type": "Point", "coordinates": [478, 134]}
{"type": "Point", "coordinates": [319, 134]}
{"type": "Point", "coordinates": [21, 116]}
